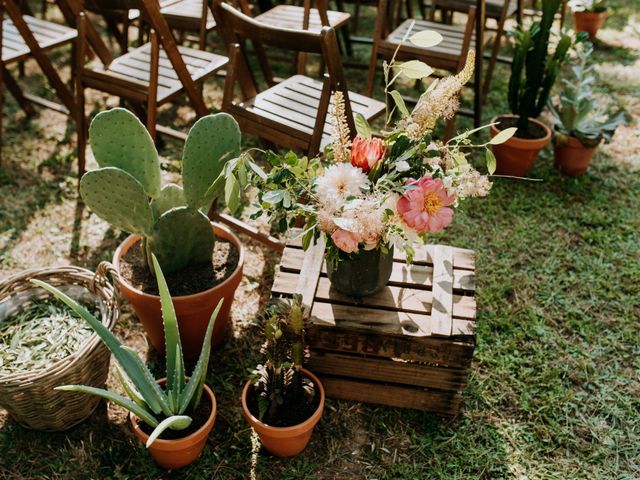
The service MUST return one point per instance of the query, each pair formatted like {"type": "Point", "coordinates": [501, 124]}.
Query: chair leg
{"type": "Point", "coordinates": [346, 35]}
{"type": "Point", "coordinates": [81, 126]}
{"type": "Point", "coordinates": [495, 50]}
{"type": "Point", "coordinates": [16, 92]}
{"type": "Point", "coordinates": [371, 75]}
{"type": "Point", "coordinates": [449, 128]}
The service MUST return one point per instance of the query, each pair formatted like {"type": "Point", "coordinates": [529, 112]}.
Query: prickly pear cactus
{"type": "Point", "coordinates": [126, 190]}
{"type": "Point", "coordinates": [119, 139]}
{"type": "Point", "coordinates": [212, 141]}
{"type": "Point", "coordinates": [182, 236]}
{"type": "Point", "coordinates": [115, 196]}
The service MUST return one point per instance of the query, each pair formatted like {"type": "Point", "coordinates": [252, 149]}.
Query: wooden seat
{"type": "Point", "coordinates": [49, 35]}
{"type": "Point", "coordinates": [293, 113]}
{"type": "Point", "coordinates": [147, 76]}
{"type": "Point", "coordinates": [292, 17]}
{"type": "Point", "coordinates": [191, 16]}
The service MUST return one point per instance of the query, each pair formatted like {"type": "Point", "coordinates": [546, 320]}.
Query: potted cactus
{"type": "Point", "coordinates": [282, 401]}
{"type": "Point", "coordinates": [533, 73]}
{"type": "Point", "coordinates": [580, 126]}
{"type": "Point", "coordinates": [171, 407]}
{"type": "Point", "coordinates": [167, 221]}
{"type": "Point", "coordinates": [589, 15]}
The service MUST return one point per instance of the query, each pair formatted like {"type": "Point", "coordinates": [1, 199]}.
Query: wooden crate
{"type": "Point", "coordinates": [410, 345]}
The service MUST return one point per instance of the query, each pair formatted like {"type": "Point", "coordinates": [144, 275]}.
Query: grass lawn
{"type": "Point", "coordinates": [555, 384]}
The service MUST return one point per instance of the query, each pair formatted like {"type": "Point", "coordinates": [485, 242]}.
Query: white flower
{"type": "Point", "coordinates": [340, 181]}
{"type": "Point", "coordinates": [402, 166]}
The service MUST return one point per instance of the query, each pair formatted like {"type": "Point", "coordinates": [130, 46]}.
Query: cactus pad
{"type": "Point", "coordinates": [119, 139]}
{"type": "Point", "coordinates": [117, 197]}
{"type": "Point", "coordinates": [171, 196]}
{"type": "Point", "coordinates": [212, 141]}
{"type": "Point", "coordinates": [182, 237]}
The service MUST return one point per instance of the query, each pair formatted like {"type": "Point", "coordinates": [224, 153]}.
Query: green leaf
{"type": "Point", "coordinates": [193, 390]}
{"type": "Point", "coordinates": [143, 414]}
{"type": "Point", "coordinates": [400, 103]}
{"type": "Point", "coordinates": [503, 136]}
{"type": "Point", "coordinates": [232, 193]}
{"type": "Point", "coordinates": [362, 126]}
{"type": "Point", "coordinates": [175, 422]}
{"type": "Point", "coordinates": [130, 389]}
{"type": "Point", "coordinates": [426, 38]}
{"type": "Point", "coordinates": [415, 69]}
{"type": "Point", "coordinates": [491, 161]}
{"type": "Point", "coordinates": [257, 169]}
{"type": "Point", "coordinates": [307, 237]}
{"type": "Point", "coordinates": [273, 197]}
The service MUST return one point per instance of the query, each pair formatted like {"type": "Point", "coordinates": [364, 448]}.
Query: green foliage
{"type": "Point", "coordinates": [534, 70]}
{"type": "Point", "coordinates": [126, 191]}
{"type": "Point", "coordinates": [279, 381]}
{"type": "Point", "coordinates": [575, 112]}
{"type": "Point", "coordinates": [148, 400]}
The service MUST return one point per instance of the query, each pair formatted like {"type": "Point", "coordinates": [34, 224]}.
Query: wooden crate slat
{"type": "Point", "coordinates": [432, 350]}
{"type": "Point", "coordinates": [309, 275]}
{"type": "Point", "coordinates": [393, 298]}
{"type": "Point", "coordinates": [443, 403]}
{"type": "Point", "coordinates": [416, 276]}
{"type": "Point", "coordinates": [387, 370]}
{"type": "Point", "coordinates": [442, 288]}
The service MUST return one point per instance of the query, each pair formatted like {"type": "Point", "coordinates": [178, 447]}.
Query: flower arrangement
{"type": "Point", "coordinates": [375, 194]}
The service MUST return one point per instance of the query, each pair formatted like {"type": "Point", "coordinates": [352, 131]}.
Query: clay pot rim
{"type": "Point", "coordinates": [308, 423]}
{"type": "Point", "coordinates": [159, 443]}
{"type": "Point", "coordinates": [596, 14]}
{"type": "Point", "coordinates": [526, 141]}
{"type": "Point", "coordinates": [574, 142]}
{"type": "Point", "coordinates": [131, 239]}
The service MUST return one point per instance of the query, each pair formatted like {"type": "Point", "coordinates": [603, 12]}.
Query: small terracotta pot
{"type": "Point", "coordinates": [285, 441]}
{"type": "Point", "coordinates": [181, 452]}
{"type": "Point", "coordinates": [589, 22]}
{"type": "Point", "coordinates": [572, 157]}
{"type": "Point", "coordinates": [515, 157]}
{"type": "Point", "coordinates": [193, 311]}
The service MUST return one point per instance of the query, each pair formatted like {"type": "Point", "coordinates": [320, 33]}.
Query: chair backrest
{"type": "Point", "coordinates": [236, 28]}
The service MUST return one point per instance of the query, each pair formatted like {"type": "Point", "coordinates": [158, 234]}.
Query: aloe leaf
{"type": "Point", "coordinates": [131, 364]}
{"type": "Point", "coordinates": [130, 389]}
{"type": "Point", "coordinates": [175, 422]}
{"type": "Point", "coordinates": [134, 408]}
{"type": "Point", "coordinates": [171, 334]}
{"type": "Point", "coordinates": [193, 390]}
{"type": "Point", "coordinates": [148, 382]}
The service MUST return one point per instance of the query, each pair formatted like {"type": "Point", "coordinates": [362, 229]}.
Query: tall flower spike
{"type": "Point", "coordinates": [341, 141]}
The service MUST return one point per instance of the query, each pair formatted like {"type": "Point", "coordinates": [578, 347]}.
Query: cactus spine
{"type": "Point", "coordinates": [126, 191]}
{"type": "Point", "coordinates": [533, 71]}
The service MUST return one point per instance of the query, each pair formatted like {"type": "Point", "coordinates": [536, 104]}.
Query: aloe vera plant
{"type": "Point", "coordinates": [159, 408]}
{"type": "Point", "coordinates": [534, 70]}
{"type": "Point", "coordinates": [126, 190]}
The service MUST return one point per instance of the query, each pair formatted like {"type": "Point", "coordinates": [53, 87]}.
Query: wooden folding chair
{"type": "Point", "coordinates": [148, 76]}
{"type": "Point", "coordinates": [449, 55]}
{"type": "Point", "coordinates": [293, 113]}
{"type": "Point", "coordinates": [26, 37]}
{"type": "Point", "coordinates": [190, 16]}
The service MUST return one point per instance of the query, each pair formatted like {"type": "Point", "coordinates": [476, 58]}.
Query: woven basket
{"type": "Point", "coordinates": [29, 397]}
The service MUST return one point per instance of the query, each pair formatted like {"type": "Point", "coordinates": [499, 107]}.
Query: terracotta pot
{"type": "Point", "coordinates": [285, 441]}
{"type": "Point", "coordinates": [181, 452]}
{"type": "Point", "coordinates": [572, 157]}
{"type": "Point", "coordinates": [589, 22]}
{"type": "Point", "coordinates": [515, 157]}
{"type": "Point", "coordinates": [362, 273]}
{"type": "Point", "coordinates": [193, 311]}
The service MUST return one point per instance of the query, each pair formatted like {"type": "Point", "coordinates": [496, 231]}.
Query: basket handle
{"type": "Point", "coordinates": [101, 278]}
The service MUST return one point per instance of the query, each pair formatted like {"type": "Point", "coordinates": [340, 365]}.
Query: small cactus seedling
{"type": "Point", "coordinates": [126, 190]}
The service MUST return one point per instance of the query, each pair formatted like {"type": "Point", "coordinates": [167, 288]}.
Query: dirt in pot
{"type": "Point", "coordinates": [198, 419]}
{"type": "Point", "coordinates": [190, 280]}
{"type": "Point", "coordinates": [291, 412]}
{"type": "Point", "coordinates": [533, 132]}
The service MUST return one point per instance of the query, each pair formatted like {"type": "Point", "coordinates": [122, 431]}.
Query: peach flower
{"type": "Point", "coordinates": [366, 153]}
{"type": "Point", "coordinates": [345, 240]}
{"type": "Point", "coordinates": [424, 207]}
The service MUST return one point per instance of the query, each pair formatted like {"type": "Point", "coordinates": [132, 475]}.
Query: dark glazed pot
{"type": "Point", "coordinates": [362, 273]}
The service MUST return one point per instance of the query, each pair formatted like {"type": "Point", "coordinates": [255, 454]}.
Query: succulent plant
{"type": "Point", "coordinates": [159, 408]}
{"type": "Point", "coordinates": [126, 190]}
{"type": "Point", "coordinates": [534, 70]}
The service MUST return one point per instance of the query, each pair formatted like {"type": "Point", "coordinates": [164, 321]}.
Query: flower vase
{"type": "Point", "coordinates": [362, 273]}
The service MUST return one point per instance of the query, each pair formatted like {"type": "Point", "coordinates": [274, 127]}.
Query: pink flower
{"type": "Point", "coordinates": [424, 207]}
{"type": "Point", "coordinates": [346, 241]}
{"type": "Point", "coordinates": [366, 153]}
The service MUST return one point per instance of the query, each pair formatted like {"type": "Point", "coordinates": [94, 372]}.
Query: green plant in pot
{"type": "Point", "coordinates": [589, 15]}
{"type": "Point", "coordinates": [581, 120]}
{"type": "Point", "coordinates": [282, 401]}
{"type": "Point", "coordinates": [167, 221]}
{"type": "Point", "coordinates": [533, 73]}
{"type": "Point", "coordinates": [172, 406]}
